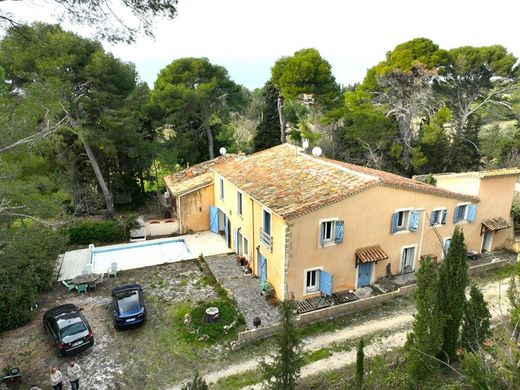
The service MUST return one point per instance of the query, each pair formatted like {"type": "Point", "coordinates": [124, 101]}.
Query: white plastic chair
{"type": "Point", "coordinates": [112, 271]}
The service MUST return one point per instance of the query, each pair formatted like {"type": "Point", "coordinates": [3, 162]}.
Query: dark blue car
{"type": "Point", "coordinates": [129, 308]}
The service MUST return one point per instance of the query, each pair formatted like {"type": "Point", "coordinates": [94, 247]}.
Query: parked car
{"type": "Point", "coordinates": [69, 329]}
{"type": "Point", "coordinates": [129, 308]}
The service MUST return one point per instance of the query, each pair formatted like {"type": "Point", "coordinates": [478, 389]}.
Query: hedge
{"type": "Point", "coordinates": [98, 232]}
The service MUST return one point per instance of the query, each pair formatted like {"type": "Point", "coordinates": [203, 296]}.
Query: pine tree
{"type": "Point", "coordinates": [268, 130]}
{"type": "Point", "coordinates": [453, 280]}
{"type": "Point", "coordinates": [284, 371]}
{"type": "Point", "coordinates": [425, 340]}
{"type": "Point", "coordinates": [476, 320]}
{"type": "Point", "coordinates": [360, 357]}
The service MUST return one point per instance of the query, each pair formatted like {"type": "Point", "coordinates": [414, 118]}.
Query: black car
{"type": "Point", "coordinates": [69, 329]}
{"type": "Point", "coordinates": [129, 308]}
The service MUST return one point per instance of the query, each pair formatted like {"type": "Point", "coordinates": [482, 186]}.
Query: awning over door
{"type": "Point", "coordinates": [494, 224]}
{"type": "Point", "coordinates": [370, 254]}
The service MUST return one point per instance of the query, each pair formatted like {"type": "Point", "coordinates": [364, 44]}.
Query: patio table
{"type": "Point", "coordinates": [86, 279]}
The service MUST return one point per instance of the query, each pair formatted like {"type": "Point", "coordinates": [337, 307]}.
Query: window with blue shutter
{"type": "Point", "coordinates": [395, 223]}
{"type": "Point", "coordinates": [413, 222]}
{"type": "Point", "coordinates": [444, 215]}
{"type": "Point", "coordinates": [472, 212]}
{"type": "Point", "coordinates": [325, 282]}
{"type": "Point", "coordinates": [434, 217]}
{"type": "Point", "coordinates": [456, 214]}
{"type": "Point", "coordinates": [340, 228]}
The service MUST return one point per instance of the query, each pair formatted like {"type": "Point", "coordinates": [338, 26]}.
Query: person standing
{"type": "Point", "coordinates": [74, 373]}
{"type": "Point", "coordinates": [56, 379]}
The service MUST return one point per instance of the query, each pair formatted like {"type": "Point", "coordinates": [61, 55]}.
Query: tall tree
{"type": "Point", "coordinates": [115, 21]}
{"type": "Point", "coordinates": [474, 79]}
{"type": "Point", "coordinates": [81, 83]}
{"type": "Point", "coordinates": [267, 131]}
{"type": "Point", "coordinates": [476, 326]}
{"type": "Point", "coordinates": [425, 341]}
{"type": "Point", "coordinates": [453, 280]}
{"type": "Point", "coordinates": [191, 92]}
{"type": "Point", "coordinates": [284, 371]}
{"type": "Point", "coordinates": [305, 72]}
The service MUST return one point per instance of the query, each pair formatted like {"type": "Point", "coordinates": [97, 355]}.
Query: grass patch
{"type": "Point", "coordinates": [196, 332]}
{"type": "Point", "coordinates": [316, 355]}
{"type": "Point", "coordinates": [238, 381]}
{"type": "Point", "coordinates": [496, 274]}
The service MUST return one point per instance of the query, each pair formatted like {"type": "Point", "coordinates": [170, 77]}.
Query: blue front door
{"type": "Point", "coordinates": [213, 219]}
{"type": "Point", "coordinates": [364, 274]}
{"type": "Point", "coordinates": [263, 268]}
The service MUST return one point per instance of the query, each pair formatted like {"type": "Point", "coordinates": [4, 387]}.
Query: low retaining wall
{"type": "Point", "coordinates": [331, 312]}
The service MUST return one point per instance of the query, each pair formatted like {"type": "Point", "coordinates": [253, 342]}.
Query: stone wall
{"type": "Point", "coordinates": [331, 312]}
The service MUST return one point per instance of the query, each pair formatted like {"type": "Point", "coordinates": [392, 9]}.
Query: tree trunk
{"type": "Point", "coordinates": [210, 140]}
{"type": "Point", "coordinates": [109, 200]}
{"type": "Point", "coordinates": [282, 119]}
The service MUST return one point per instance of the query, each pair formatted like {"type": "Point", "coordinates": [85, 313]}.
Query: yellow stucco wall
{"type": "Point", "coordinates": [367, 219]}
{"type": "Point", "coordinates": [250, 223]}
{"type": "Point", "coordinates": [194, 209]}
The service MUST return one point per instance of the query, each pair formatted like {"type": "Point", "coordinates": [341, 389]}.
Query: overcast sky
{"type": "Point", "coordinates": [248, 36]}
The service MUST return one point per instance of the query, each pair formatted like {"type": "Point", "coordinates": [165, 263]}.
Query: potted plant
{"type": "Point", "coordinates": [266, 289]}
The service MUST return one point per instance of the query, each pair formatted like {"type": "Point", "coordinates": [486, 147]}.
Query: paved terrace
{"type": "Point", "coordinates": [207, 243]}
{"type": "Point", "coordinates": [244, 288]}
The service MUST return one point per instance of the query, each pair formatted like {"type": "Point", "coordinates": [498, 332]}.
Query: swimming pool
{"type": "Point", "coordinates": [142, 254]}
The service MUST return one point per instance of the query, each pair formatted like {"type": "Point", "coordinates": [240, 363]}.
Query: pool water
{"type": "Point", "coordinates": [143, 254]}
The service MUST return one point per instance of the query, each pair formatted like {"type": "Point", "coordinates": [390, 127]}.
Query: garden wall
{"type": "Point", "coordinates": [328, 313]}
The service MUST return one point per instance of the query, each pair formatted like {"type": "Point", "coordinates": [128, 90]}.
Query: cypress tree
{"type": "Point", "coordinates": [268, 130]}
{"type": "Point", "coordinates": [476, 320]}
{"type": "Point", "coordinates": [284, 371]}
{"type": "Point", "coordinates": [425, 340]}
{"type": "Point", "coordinates": [360, 357]}
{"type": "Point", "coordinates": [453, 280]}
{"type": "Point", "coordinates": [198, 383]}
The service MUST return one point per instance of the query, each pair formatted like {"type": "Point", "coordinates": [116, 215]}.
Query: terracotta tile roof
{"type": "Point", "coordinates": [371, 254]}
{"type": "Point", "coordinates": [497, 223]}
{"type": "Point", "coordinates": [193, 177]}
{"type": "Point", "coordinates": [395, 181]}
{"type": "Point", "coordinates": [292, 183]}
{"type": "Point", "coordinates": [480, 174]}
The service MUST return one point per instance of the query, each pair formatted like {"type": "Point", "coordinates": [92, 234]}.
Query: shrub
{"type": "Point", "coordinates": [27, 267]}
{"type": "Point", "coordinates": [89, 232]}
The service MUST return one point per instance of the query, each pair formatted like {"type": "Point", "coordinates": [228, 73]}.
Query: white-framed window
{"type": "Point", "coordinates": [245, 248]}
{"type": "Point", "coordinates": [240, 206]}
{"type": "Point", "coordinates": [312, 280]}
{"type": "Point", "coordinates": [221, 188]}
{"type": "Point", "coordinates": [327, 232]}
{"type": "Point", "coordinates": [408, 254]}
{"type": "Point", "coordinates": [266, 222]}
{"type": "Point", "coordinates": [464, 212]}
{"type": "Point", "coordinates": [402, 219]}
{"type": "Point", "coordinates": [438, 216]}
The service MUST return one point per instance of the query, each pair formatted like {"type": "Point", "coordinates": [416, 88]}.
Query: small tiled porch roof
{"type": "Point", "coordinates": [189, 179]}
{"type": "Point", "coordinates": [370, 254]}
{"type": "Point", "coordinates": [497, 223]}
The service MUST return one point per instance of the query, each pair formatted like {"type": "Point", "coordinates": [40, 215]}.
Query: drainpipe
{"type": "Point", "coordinates": [253, 235]}
{"type": "Point", "coordinates": [422, 232]}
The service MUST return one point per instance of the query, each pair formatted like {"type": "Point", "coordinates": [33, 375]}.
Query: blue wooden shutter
{"type": "Point", "coordinates": [395, 222]}
{"type": "Point", "coordinates": [413, 223]}
{"type": "Point", "coordinates": [213, 219]}
{"type": "Point", "coordinates": [444, 216]}
{"type": "Point", "coordinates": [433, 217]}
{"type": "Point", "coordinates": [263, 268]}
{"type": "Point", "coordinates": [226, 230]}
{"type": "Point", "coordinates": [472, 212]}
{"type": "Point", "coordinates": [325, 282]}
{"type": "Point", "coordinates": [340, 227]}
{"type": "Point", "coordinates": [447, 243]}
{"type": "Point", "coordinates": [322, 232]}
{"type": "Point", "coordinates": [456, 216]}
